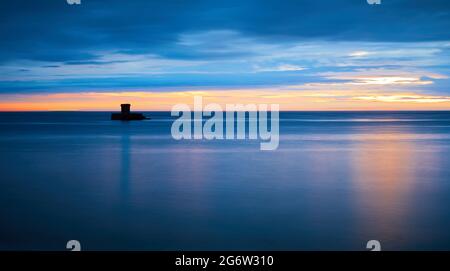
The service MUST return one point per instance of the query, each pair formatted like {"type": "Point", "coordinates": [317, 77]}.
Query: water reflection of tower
{"type": "Point", "coordinates": [125, 161]}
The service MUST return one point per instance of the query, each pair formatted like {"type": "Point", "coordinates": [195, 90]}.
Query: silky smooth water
{"type": "Point", "coordinates": [337, 180]}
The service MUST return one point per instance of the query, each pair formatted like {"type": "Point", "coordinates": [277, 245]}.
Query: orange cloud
{"type": "Point", "coordinates": [287, 99]}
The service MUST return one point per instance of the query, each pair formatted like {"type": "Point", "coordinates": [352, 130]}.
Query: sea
{"type": "Point", "coordinates": [336, 181]}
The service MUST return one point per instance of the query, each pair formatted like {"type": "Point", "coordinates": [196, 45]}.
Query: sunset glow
{"type": "Point", "coordinates": [162, 101]}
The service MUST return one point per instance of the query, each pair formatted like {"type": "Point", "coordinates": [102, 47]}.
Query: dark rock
{"type": "Point", "coordinates": [126, 114]}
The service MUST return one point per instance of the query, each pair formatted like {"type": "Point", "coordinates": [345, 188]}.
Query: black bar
{"type": "Point", "coordinates": [227, 260]}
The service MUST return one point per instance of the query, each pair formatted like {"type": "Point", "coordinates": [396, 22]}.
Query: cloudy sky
{"type": "Point", "coordinates": [301, 54]}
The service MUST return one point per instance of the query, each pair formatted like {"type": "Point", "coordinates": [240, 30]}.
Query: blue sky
{"type": "Point", "coordinates": [48, 46]}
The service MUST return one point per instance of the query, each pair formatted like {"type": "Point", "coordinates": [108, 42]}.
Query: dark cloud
{"type": "Point", "coordinates": [52, 30]}
{"type": "Point", "coordinates": [160, 83]}
{"type": "Point", "coordinates": [50, 46]}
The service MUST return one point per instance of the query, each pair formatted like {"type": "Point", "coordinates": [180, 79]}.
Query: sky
{"type": "Point", "coordinates": [301, 54]}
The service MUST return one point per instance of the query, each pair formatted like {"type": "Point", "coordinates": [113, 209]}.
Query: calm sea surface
{"type": "Point", "coordinates": [336, 181]}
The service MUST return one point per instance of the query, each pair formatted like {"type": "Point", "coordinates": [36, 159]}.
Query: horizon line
{"type": "Point", "coordinates": [331, 110]}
